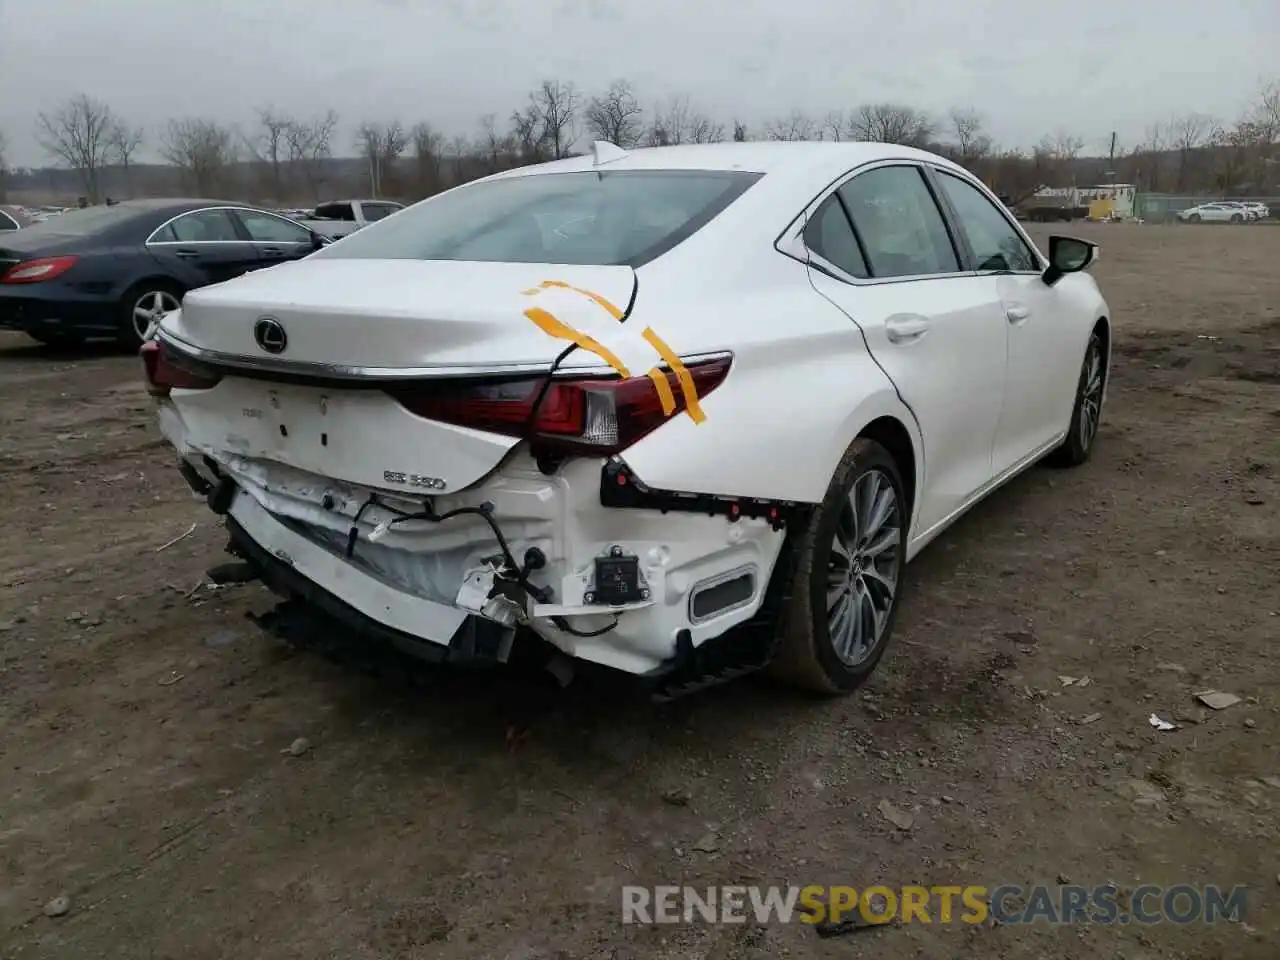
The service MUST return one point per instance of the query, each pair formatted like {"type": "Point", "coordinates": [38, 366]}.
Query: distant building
{"type": "Point", "coordinates": [1103, 200]}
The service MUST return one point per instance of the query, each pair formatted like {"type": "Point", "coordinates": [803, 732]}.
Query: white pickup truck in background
{"type": "Point", "coordinates": [338, 218]}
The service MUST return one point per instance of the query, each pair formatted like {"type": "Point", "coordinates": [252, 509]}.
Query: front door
{"type": "Point", "coordinates": [275, 238]}
{"type": "Point", "coordinates": [1044, 359]}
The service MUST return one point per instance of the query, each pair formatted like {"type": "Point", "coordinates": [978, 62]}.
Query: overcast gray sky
{"type": "Point", "coordinates": [1086, 66]}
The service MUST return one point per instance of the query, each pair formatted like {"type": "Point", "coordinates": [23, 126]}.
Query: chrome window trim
{"type": "Point", "coordinates": [791, 241]}
{"type": "Point", "coordinates": [338, 371]}
{"type": "Point", "coordinates": [16, 224]}
{"type": "Point", "coordinates": [189, 243]}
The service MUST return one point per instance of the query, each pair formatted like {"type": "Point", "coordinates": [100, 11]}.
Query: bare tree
{"type": "Point", "coordinates": [382, 145]}
{"type": "Point", "coordinates": [79, 134]}
{"type": "Point", "coordinates": [460, 152]}
{"type": "Point", "coordinates": [428, 154]}
{"type": "Point", "coordinates": [555, 103]}
{"type": "Point", "coordinates": [702, 129]}
{"type": "Point", "coordinates": [202, 150]}
{"type": "Point", "coordinates": [493, 144]}
{"type": "Point", "coordinates": [1237, 152]}
{"type": "Point", "coordinates": [739, 131]}
{"type": "Point", "coordinates": [1054, 157]}
{"type": "Point", "coordinates": [1266, 112]}
{"type": "Point", "coordinates": [1148, 157]}
{"type": "Point", "coordinates": [797, 126]}
{"type": "Point", "coordinates": [269, 146]}
{"type": "Point", "coordinates": [671, 121]}
{"type": "Point", "coordinates": [310, 144]}
{"type": "Point", "coordinates": [615, 115]}
{"type": "Point", "coordinates": [1188, 133]}
{"type": "Point", "coordinates": [833, 125]}
{"type": "Point", "coordinates": [891, 123]}
{"type": "Point", "coordinates": [529, 135]}
{"type": "Point", "coordinates": [123, 142]}
{"type": "Point", "coordinates": [972, 141]}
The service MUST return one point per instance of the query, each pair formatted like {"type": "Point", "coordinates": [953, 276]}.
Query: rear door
{"type": "Point", "coordinates": [275, 239]}
{"type": "Point", "coordinates": [881, 251]}
{"type": "Point", "coordinates": [203, 245]}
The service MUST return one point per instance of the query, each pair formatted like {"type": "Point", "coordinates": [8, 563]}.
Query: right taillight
{"type": "Point", "coordinates": [163, 374]}
{"type": "Point", "coordinates": [585, 415]}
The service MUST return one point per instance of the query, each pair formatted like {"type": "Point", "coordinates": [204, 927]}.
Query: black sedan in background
{"type": "Point", "coordinates": [111, 271]}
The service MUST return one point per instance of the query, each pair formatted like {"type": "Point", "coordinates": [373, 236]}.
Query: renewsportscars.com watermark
{"type": "Point", "coordinates": [1005, 904]}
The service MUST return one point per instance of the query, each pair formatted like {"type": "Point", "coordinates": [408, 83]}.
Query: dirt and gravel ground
{"type": "Point", "coordinates": [143, 719]}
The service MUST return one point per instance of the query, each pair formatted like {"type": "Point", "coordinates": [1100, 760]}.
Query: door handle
{"type": "Point", "coordinates": [187, 254]}
{"type": "Point", "coordinates": [906, 329]}
{"type": "Point", "coordinates": [271, 251]}
{"type": "Point", "coordinates": [1016, 313]}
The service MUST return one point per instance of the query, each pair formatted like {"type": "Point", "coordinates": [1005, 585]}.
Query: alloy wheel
{"type": "Point", "coordinates": [864, 568]}
{"type": "Point", "coordinates": [149, 309]}
{"type": "Point", "coordinates": [1091, 395]}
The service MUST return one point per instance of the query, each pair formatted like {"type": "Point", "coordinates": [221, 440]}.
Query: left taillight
{"type": "Point", "coordinates": [38, 271]}
{"type": "Point", "coordinates": [163, 373]}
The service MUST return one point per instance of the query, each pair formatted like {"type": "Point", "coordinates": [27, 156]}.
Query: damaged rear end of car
{"type": "Point", "coordinates": [433, 451]}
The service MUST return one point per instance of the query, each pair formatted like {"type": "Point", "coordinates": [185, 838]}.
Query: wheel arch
{"type": "Point", "coordinates": [1102, 327]}
{"type": "Point", "coordinates": [892, 434]}
{"type": "Point", "coordinates": [157, 277]}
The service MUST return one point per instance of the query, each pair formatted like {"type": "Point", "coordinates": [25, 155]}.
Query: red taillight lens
{"type": "Point", "coordinates": [163, 374]}
{"type": "Point", "coordinates": [37, 271]}
{"type": "Point", "coordinates": [589, 415]}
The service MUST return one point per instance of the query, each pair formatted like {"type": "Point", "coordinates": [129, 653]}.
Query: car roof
{"type": "Point", "coordinates": [768, 156]}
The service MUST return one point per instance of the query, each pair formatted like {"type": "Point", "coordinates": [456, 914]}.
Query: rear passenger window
{"type": "Point", "coordinates": [829, 235]}
{"type": "Point", "coordinates": [900, 225]}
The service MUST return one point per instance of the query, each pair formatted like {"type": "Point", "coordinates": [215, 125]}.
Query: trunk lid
{"type": "Point", "coordinates": [370, 318]}
{"type": "Point", "coordinates": [30, 244]}
{"type": "Point", "coordinates": [389, 315]}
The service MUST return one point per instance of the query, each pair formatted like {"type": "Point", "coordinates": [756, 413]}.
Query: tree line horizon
{"type": "Point", "coordinates": [283, 157]}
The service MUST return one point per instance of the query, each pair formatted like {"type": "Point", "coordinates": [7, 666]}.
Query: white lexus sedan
{"type": "Point", "coordinates": [685, 412]}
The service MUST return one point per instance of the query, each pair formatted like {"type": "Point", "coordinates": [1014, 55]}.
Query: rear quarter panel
{"type": "Point", "coordinates": [801, 388]}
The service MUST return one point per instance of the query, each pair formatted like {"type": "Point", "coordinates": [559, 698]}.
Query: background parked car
{"type": "Point", "coordinates": [109, 271]}
{"type": "Point", "coordinates": [1219, 211]}
{"type": "Point", "coordinates": [13, 218]}
{"type": "Point", "coordinates": [338, 218]}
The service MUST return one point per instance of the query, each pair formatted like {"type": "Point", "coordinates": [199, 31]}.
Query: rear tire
{"type": "Point", "coordinates": [144, 302]}
{"type": "Point", "coordinates": [1194, 218]}
{"type": "Point", "coordinates": [1086, 414]}
{"type": "Point", "coordinates": [848, 576]}
{"type": "Point", "coordinates": [1236, 218]}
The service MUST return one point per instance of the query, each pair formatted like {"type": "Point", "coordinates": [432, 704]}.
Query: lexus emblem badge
{"type": "Point", "coordinates": [270, 335]}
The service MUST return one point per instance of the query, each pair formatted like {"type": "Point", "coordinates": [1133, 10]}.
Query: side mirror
{"type": "Point", "coordinates": [319, 241]}
{"type": "Point", "coordinates": [1068, 255]}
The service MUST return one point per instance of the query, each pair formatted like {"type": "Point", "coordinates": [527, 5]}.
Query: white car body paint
{"type": "Point", "coordinates": [979, 369]}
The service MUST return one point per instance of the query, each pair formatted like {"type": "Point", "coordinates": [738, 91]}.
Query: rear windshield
{"type": "Point", "coordinates": [625, 217]}
{"type": "Point", "coordinates": [82, 223]}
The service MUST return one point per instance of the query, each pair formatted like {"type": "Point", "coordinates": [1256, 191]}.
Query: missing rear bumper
{"type": "Point", "coordinates": [476, 639]}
